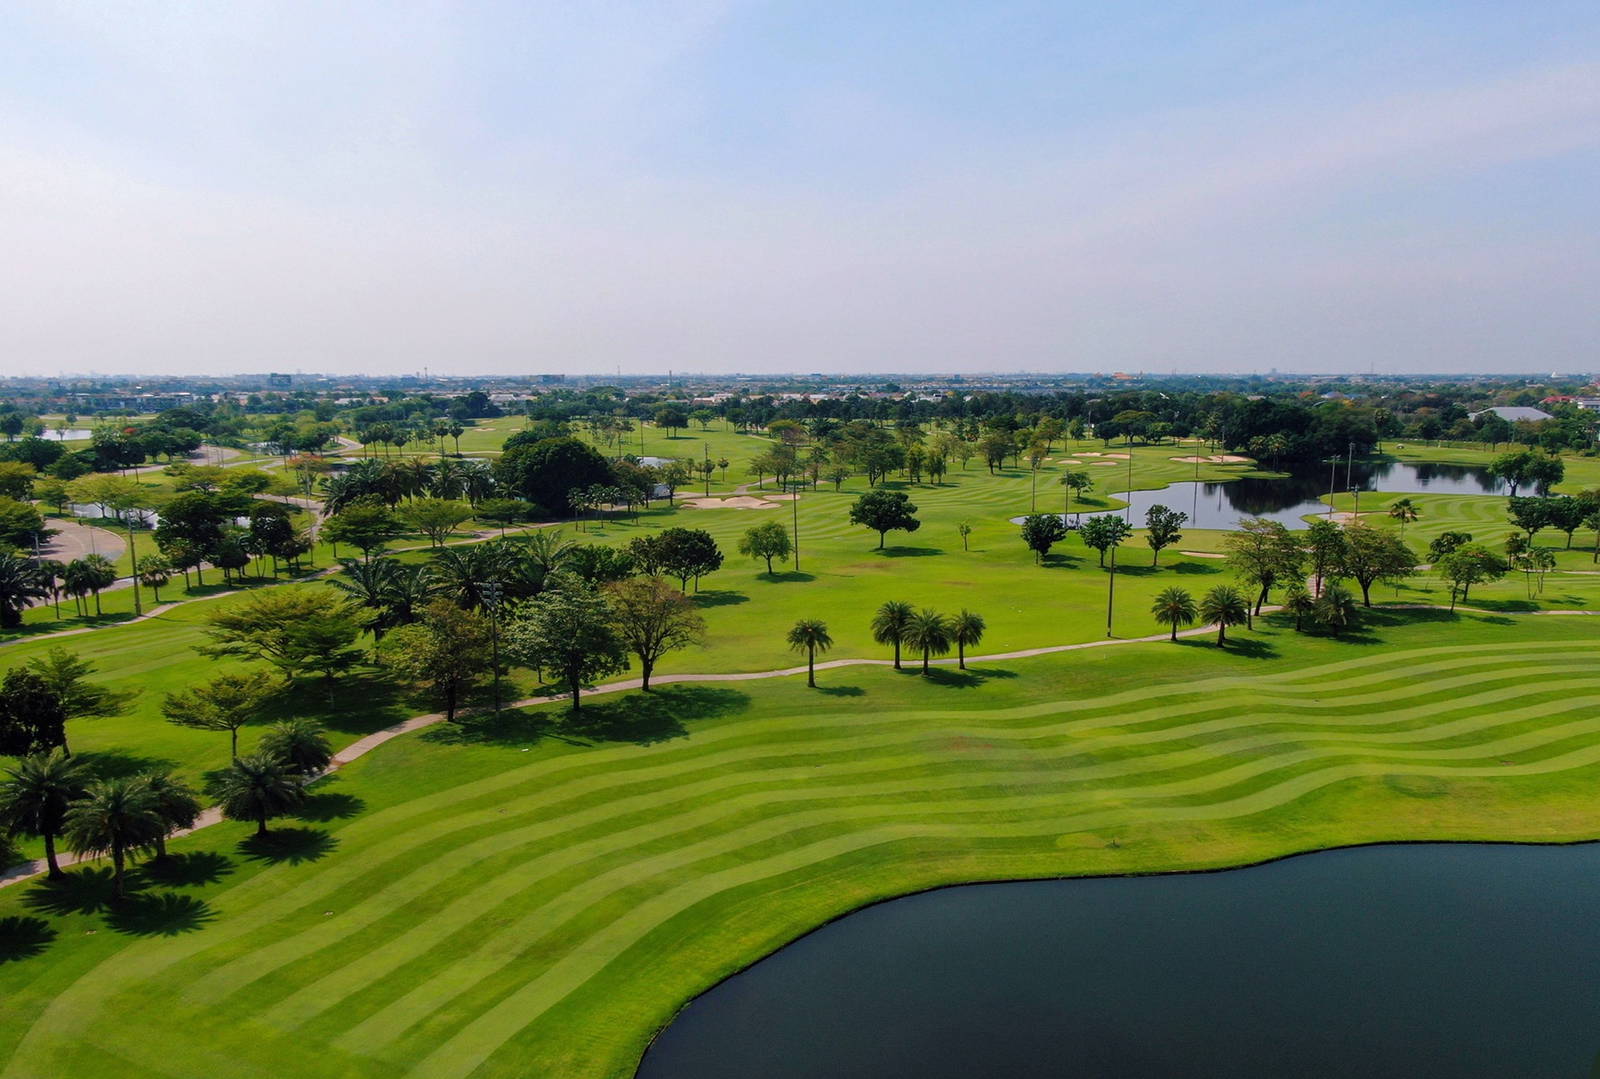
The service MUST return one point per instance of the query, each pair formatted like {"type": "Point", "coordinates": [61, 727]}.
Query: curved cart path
{"type": "Point", "coordinates": [362, 746]}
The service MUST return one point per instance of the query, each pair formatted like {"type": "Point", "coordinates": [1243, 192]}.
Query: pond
{"type": "Point", "coordinates": [1289, 498]}
{"type": "Point", "coordinates": [70, 434]}
{"type": "Point", "coordinates": [1414, 961]}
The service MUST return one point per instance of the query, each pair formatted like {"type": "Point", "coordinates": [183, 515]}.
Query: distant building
{"type": "Point", "coordinates": [1512, 413]}
{"type": "Point", "coordinates": [280, 382]}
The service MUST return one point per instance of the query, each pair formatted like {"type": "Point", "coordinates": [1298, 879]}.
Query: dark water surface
{"type": "Point", "coordinates": [1428, 960]}
{"type": "Point", "coordinates": [1286, 499]}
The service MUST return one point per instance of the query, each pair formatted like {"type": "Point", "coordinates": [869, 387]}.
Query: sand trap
{"type": "Point", "coordinates": [1213, 459]}
{"type": "Point", "coordinates": [1203, 554]}
{"type": "Point", "coordinates": [1102, 464]}
{"type": "Point", "coordinates": [738, 502]}
{"type": "Point", "coordinates": [1096, 453]}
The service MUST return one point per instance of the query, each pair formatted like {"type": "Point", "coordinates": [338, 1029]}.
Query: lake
{"type": "Point", "coordinates": [1288, 498]}
{"type": "Point", "coordinates": [1414, 961]}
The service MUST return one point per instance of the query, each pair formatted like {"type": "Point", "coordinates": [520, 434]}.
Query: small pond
{"type": "Point", "coordinates": [70, 434]}
{"type": "Point", "coordinates": [1287, 498]}
{"type": "Point", "coordinates": [1414, 961]}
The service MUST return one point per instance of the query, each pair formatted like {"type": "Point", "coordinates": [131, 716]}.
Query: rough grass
{"type": "Point", "coordinates": [534, 897]}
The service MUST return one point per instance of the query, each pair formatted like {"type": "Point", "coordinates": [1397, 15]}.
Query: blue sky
{"type": "Point", "coordinates": [764, 187]}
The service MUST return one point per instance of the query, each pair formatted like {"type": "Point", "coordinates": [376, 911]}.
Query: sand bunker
{"type": "Point", "coordinates": [1203, 554]}
{"type": "Point", "coordinates": [1213, 459]}
{"type": "Point", "coordinates": [738, 502]}
{"type": "Point", "coordinates": [1095, 453]}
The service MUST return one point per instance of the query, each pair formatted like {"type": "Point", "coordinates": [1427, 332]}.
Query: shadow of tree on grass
{"type": "Point", "coordinates": [159, 914]}
{"type": "Point", "coordinates": [291, 845]}
{"type": "Point", "coordinates": [657, 716]}
{"type": "Point", "coordinates": [329, 805]}
{"type": "Point", "coordinates": [187, 869]}
{"type": "Point", "coordinates": [23, 938]}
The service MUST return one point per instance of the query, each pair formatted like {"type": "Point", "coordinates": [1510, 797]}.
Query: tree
{"type": "Point", "coordinates": [928, 631]}
{"type": "Point", "coordinates": [366, 524]}
{"type": "Point", "coordinates": [1335, 609]}
{"type": "Point", "coordinates": [1467, 565]}
{"type": "Point", "coordinates": [1540, 470]}
{"type": "Point", "coordinates": [1374, 555]}
{"type": "Point", "coordinates": [446, 651]}
{"type": "Point", "coordinates": [1174, 607]}
{"type": "Point", "coordinates": [258, 788]}
{"type": "Point", "coordinates": [966, 630]}
{"type": "Point", "coordinates": [1325, 545]}
{"type": "Point", "coordinates": [1529, 514]}
{"type": "Point", "coordinates": [810, 635]}
{"type": "Point", "coordinates": [964, 529]}
{"type": "Point", "coordinates": [299, 745]}
{"type": "Point", "coordinates": [885, 512]}
{"type": "Point", "coordinates": [889, 625]}
{"type": "Point", "coordinates": [1405, 511]}
{"type": "Point", "coordinates": [20, 524]}
{"type": "Point", "coordinates": [1162, 529]}
{"type": "Point", "coordinates": [1101, 534]}
{"type": "Point", "coordinates": [688, 552]}
{"type": "Point", "coordinates": [1263, 552]}
{"type": "Point", "coordinates": [1223, 606]}
{"type": "Point", "coordinates": [296, 629]}
{"type": "Point", "coordinates": [672, 419]}
{"type": "Point", "coordinates": [35, 796]}
{"type": "Point", "coordinates": [768, 541]}
{"type": "Point", "coordinates": [1445, 542]}
{"type": "Point", "coordinates": [176, 803]}
{"type": "Point", "coordinates": [503, 512]}
{"type": "Point", "coordinates": [67, 676]}
{"type": "Point", "coordinates": [90, 574]}
{"type": "Point", "coordinates": [436, 518]}
{"type": "Point", "coordinates": [31, 717]}
{"type": "Point", "coordinates": [653, 620]}
{"type": "Point", "coordinates": [226, 703]}
{"type": "Point", "coordinates": [1075, 483]}
{"type": "Point", "coordinates": [568, 631]}
{"type": "Point", "coordinates": [1041, 531]}
{"type": "Point", "coordinates": [547, 471]}
{"type": "Point", "coordinates": [22, 583]}
{"type": "Point", "coordinates": [154, 572]}
{"type": "Point", "coordinates": [116, 817]}
{"type": "Point", "coordinates": [1298, 602]}
{"type": "Point", "coordinates": [1566, 513]}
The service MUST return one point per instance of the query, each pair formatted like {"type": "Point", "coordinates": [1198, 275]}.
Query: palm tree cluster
{"type": "Point", "coordinates": [401, 435]}
{"type": "Point", "coordinates": [395, 480]}
{"type": "Point", "coordinates": [927, 631]}
{"type": "Point", "coordinates": [1222, 607]}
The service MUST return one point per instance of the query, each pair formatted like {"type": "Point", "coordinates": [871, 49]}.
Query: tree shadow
{"type": "Point", "coordinates": [719, 597]}
{"type": "Point", "coordinates": [81, 891]}
{"type": "Point", "coordinates": [159, 914]}
{"type": "Point", "coordinates": [788, 577]}
{"type": "Point", "coordinates": [971, 678]}
{"type": "Point", "coordinates": [1060, 560]}
{"type": "Point", "coordinates": [1195, 567]}
{"type": "Point", "coordinates": [841, 691]}
{"type": "Point", "coordinates": [187, 869]}
{"type": "Point", "coordinates": [910, 552]}
{"type": "Point", "coordinates": [657, 716]}
{"type": "Point", "coordinates": [325, 806]}
{"type": "Point", "coordinates": [1247, 647]}
{"type": "Point", "coordinates": [509, 728]}
{"type": "Point", "coordinates": [291, 845]}
{"type": "Point", "coordinates": [23, 938]}
{"type": "Point", "coordinates": [119, 764]}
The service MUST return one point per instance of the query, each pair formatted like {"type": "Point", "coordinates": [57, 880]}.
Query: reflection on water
{"type": "Point", "coordinates": [1421, 961]}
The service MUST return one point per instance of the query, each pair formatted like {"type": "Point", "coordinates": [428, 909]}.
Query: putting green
{"type": "Point", "coordinates": [525, 898]}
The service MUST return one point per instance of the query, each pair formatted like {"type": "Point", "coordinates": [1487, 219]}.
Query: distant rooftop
{"type": "Point", "coordinates": [1513, 413]}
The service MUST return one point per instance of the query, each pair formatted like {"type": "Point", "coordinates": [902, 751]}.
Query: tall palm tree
{"type": "Point", "coordinates": [298, 743]}
{"type": "Point", "coordinates": [115, 817]}
{"type": "Point", "coordinates": [1174, 607]}
{"type": "Point", "coordinates": [177, 802]}
{"type": "Point", "coordinates": [1225, 607]}
{"type": "Point", "coordinates": [35, 795]}
{"type": "Point", "coordinates": [966, 629]}
{"type": "Point", "coordinates": [258, 787]}
{"type": "Point", "coordinates": [929, 631]}
{"type": "Point", "coordinates": [22, 581]}
{"type": "Point", "coordinates": [889, 625]}
{"type": "Point", "coordinates": [1298, 601]}
{"type": "Point", "coordinates": [369, 584]}
{"type": "Point", "coordinates": [1404, 510]}
{"type": "Point", "coordinates": [810, 635]}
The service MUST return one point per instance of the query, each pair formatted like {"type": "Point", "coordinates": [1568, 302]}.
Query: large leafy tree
{"type": "Point", "coordinates": [1102, 533]}
{"type": "Point", "coordinates": [1262, 553]}
{"type": "Point", "coordinates": [1174, 607]}
{"type": "Point", "coordinates": [653, 620]}
{"type": "Point", "coordinates": [31, 717]}
{"type": "Point", "coordinates": [1042, 531]}
{"type": "Point", "coordinates": [67, 676]}
{"type": "Point", "coordinates": [1371, 555]}
{"type": "Point", "coordinates": [768, 540]}
{"type": "Point", "coordinates": [889, 624]}
{"type": "Point", "coordinates": [809, 635]}
{"type": "Point", "coordinates": [23, 583]}
{"type": "Point", "coordinates": [1224, 606]}
{"type": "Point", "coordinates": [688, 552]}
{"type": "Point", "coordinates": [365, 524]}
{"type": "Point", "coordinates": [1467, 565]}
{"type": "Point", "coordinates": [117, 817]}
{"type": "Point", "coordinates": [445, 651]}
{"type": "Point", "coordinates": [885, 512]}
{"type": "Point", "coordinates": [258, 788]}
{"type": "Point", "coordinates": [436, 518]}
{"type": "Point", "coordinates": [568, 632]}
{"type": "Point", "coordinates": [1162, 529]}
{"type": "Point", "coordinates": [35, 795]}
{"type": "Point", "coordinates": [297, 630]}
{"type": "Point", "coordinates": [226, 703]}
{"type": "Point", "coordinates": [547, 471]}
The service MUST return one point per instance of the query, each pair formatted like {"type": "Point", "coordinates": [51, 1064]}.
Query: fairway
{"type": "Point", "coordinates": [526, 897]}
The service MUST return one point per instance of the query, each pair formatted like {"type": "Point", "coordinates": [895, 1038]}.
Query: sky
{"type": "Point", "coordinates": [768, 187]}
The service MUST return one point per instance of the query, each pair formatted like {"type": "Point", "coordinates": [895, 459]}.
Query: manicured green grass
{"type": "Point", "coordinates": [526, 897]}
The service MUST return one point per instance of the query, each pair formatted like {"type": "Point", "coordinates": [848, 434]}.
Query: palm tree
{"type": "Point", "coordinates": [1174, 607]}
{"type": "Point", "coordinates": [966, 629]}
{"type": "Point", "coordinates": [810, 635]}
{"type": "Point", "coordinates": [115, 817]}
{"type": "Point", "coordinates": [1404, 510]}
{"type": "Point", "coordinates": [369, 584]}
{"type": "Point", "coordinates": [889, 625]}
{"type": "Point", "coordinates": [299, 744]}
{"type": "Point", "coordinates": [930, 631]}
{"type": "Point", "coordinates": [1225, 607]}
{"type": "Point", "coordinates": [35, 795]}
{"type": "Point", "coordinates": [1335, 608]}
{"type": "Point", "coordinates": [258, 787]}
{"type": "Point", "coordinates": [177, 802]}
{"type": "Point", "coordinates": [22, 581]}
{"type": "Point", "coordinates": [1298, 602]}
{"type": "Point", "coordinates": [155, 571]}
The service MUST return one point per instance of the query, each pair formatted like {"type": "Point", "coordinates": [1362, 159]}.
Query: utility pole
{"type": "Point", "coordinates": [1111, 588]}
{"type": "Point", "coordinates": [1127, 513]}
{"type": "Point", "coordinates": [795, 503]}
{"type": "Point", "coordinates": [491, 600]}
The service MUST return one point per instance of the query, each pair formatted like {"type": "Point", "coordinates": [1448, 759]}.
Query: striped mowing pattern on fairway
{"type": "Point", "coordinates": [484, 928]}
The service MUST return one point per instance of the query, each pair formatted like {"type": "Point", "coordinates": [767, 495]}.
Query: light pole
{"type": "Point", "coordinates": [491, 600]}
{"type": "Point", "coordinates": [1333, 466]}
{"type": "Point", "coordinates": [795, 505]}
{"type": "Point", "coordinates": [1127, 514]}
{"type": "Point", "coordinates": [1111, 588]}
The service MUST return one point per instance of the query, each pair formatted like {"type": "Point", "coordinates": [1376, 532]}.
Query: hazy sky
{"type": "Point", "coordinates": [771, 186]}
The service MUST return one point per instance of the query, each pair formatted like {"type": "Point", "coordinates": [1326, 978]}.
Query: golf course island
{"type": "Point", "coordinates": [432, 737]}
